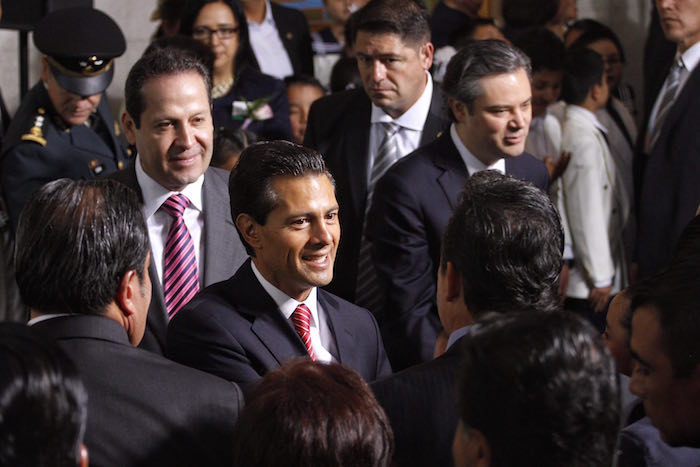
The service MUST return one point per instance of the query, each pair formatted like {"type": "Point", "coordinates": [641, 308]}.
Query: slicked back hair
{"type": "Point", "coordinates": [75, 242]}
{"type": "Point", "coordinates": [477, 60]}
{"type": "Point", "coordinates": [506, 241]}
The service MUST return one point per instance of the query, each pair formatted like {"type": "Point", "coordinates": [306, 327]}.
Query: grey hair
{"type": "Point", "coordinates": [477, 60]}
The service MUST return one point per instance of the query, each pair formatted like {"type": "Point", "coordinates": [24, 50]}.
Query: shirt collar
{"type": "Point", "coordinates": [284, 302]}
{"type": "Point", "coordinates": [154, 194]}
{"type": "Point", "coordinates": [471, 162]}
{"type": "Point", "coordinates": [414, 118]}
{"type": "Point", "coordinates": [458, 334]}
{"type": "Point", "coordinates": [268, 13]}
{"type": "Point", "coordinates": [690, 57]}
{"type": "Point", "coordinates": [588, 115]}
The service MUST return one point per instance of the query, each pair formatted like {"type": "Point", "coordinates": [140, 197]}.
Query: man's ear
{"type": "Point", "coordinates": [129, 287]}
{"type": "Point", "coordinates": [84, 457]}
{"type": "Point", "coordinates": [129, 127]}
{"type": "Point", "coordinates": [483, 449]}
{"type": "Point", "coordinates": [454, 283]}
{"type": "Point", "coordinates": [458, 108]}
{"type": "Point", "coordinates": [425, 53]}
{"type": "Point", "coordinates": [249, 229]}
{"type": "Point", "coordinates": [44, 69]}
{"type": "Point", "coordinates": [597, 91]}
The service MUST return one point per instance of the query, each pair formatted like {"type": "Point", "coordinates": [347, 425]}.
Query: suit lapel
{"type": "Point", "coordinates": [683, 100]}
{"type": "Point", "coordinates": [454, 172]}
{"type": "Point", "coordinates": [274, 332]}
{"type": "Point", "coordinates": [217, 225]}
{"type": "Point", "coordinates": [356, 142]}
{"type": "Point", "coordinates": [436, 122]}
{"type": "Point", "coordinates": [341, 326]}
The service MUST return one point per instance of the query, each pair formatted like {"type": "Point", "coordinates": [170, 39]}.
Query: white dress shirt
{"type": "Point", "coordinates": [473, 164]}
{"type": "Point", "coordinates": [410, 124]}
{"type": "Point", "coordinates": [159, 222]}
{"type": "Point", "coordinates": [322, 339]}
{"type": "Point", "coordinates": [268, 48]}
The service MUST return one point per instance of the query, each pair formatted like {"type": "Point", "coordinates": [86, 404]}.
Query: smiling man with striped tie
{"type": "Point", "coordinates": [184, 201]}
{"type": "Point", "coordinates": [284, 207]}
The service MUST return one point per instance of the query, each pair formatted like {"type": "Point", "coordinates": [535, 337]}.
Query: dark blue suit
{"type": "Point", "coordinates": [411, 206]}
{"type": "Point", "coordinates": [235, 330]}
{"type": "Point", "coordinates": [640, 445]}
{"type": "Point", "coordinates": [421, 406]}
{"type": "Point", "coordinates": [338, 128]}
{"type": "Point", "coordinates": [670, 192]}
{"type": "Point", "coordinates": [76, 152]}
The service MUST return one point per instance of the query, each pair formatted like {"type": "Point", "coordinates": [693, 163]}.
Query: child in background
{"type": "Point", "coordinates": [592, 191]}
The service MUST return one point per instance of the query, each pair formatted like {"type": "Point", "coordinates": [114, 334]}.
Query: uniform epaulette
{"type": "Point", "coordinates": [35, 132]}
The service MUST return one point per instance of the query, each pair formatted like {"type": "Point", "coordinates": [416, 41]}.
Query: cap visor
{"type": "Point", "coordinates": [84, 85]}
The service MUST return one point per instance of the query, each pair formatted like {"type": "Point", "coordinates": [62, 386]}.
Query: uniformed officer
{"type": "Point", "coordinates": [64, 127]}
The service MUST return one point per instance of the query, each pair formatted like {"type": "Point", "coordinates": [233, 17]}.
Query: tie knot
{"type": "Point", "coordinates": [302, 317]}
{"type": "Point", "coordinates": [175, 205]}
{"type": "Point", "coordinates": [390, 128]}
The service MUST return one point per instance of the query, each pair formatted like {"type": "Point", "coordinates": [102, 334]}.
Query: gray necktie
{"type": "Point", "coordinates": [673, 81]}
{"type": "Point", "coordinates": [368, 294]}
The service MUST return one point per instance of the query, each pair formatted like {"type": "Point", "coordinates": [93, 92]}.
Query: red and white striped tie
{"type": "Point", "coordinates": [180, 276]}
{"type": "Point", "coordinates": [302, 324]}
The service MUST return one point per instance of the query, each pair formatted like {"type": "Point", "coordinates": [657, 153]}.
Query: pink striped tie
{"type": "Point", "coordinates": [180, 277]}
{"type": "Point", "coordinates": [302, 323]}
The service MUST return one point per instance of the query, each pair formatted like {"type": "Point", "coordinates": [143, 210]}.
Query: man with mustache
{"type": "Point", "coordinates": [185, 202]}
{"type": "Point", "coordinates": [64, 128]}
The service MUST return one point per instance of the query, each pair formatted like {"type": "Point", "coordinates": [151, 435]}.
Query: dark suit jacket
{"type": "Point", "coordinates": [142, 408]}
{"type": "Point", "coordinates": [640, 445]}
{"type": "Point", "coordinates": [235, 330]}
{"type": "Point", "coordinates": [410, 209]}
{"type": "Point", "coordinates": [338, 127]}
{"type": "Point", "coordinates": [421, 406]}
{"type": "Point", "coordinates": [293, 29]}
{"type": "Point", "coordinates": [76, 152]}
{"type": "Point", "coordinates": [670, 192]}
{"type": "Point", "coordinates": [223, 251]}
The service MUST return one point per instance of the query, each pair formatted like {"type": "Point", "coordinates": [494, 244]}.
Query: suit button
{"type": "Point", "coordinates": [605, 187]}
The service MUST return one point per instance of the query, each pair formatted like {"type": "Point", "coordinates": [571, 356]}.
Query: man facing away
{"type": "Point", "coordinates": [272, 310]}
{"type": "Point", "coordinates": [184, 201]}
{"type": "Point", "coordinates": [84, 277]}
{"type": "Point", "coordinates": [362, 132]}
{"type": "Point", "coordinates": [501, 253]}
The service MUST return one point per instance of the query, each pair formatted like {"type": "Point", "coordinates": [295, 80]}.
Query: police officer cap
{"type": "Point", "coordinates": [80, 45]}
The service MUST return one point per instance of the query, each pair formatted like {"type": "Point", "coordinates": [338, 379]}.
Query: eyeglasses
{"type": "Point", "coordinates": [204, 33]}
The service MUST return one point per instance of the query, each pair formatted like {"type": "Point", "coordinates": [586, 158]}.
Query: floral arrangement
{"type": "Point", "coordinates": [252, 111]}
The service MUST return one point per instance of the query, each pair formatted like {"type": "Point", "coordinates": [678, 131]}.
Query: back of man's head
{"type": "Point", "coordinates": [584, 68]}
{"type": "Point", "coordinates": [540, 389]}
{"type": "Point", "coordinates": [43, 403]}
{"type": "Point", "coordinates": [544, 48]}
{"type": "Point", "coordinates": [407, 19]}
{"type": "Point", "coordinates": [250, 184]}
{"type": "Point", "coordinates": [506, 242]}
{"type": "Point", "coordinates": [477, 60]}
{"type": "Point", "coordinates": [165, 61]}
{"type": "Point", "coordinates": [75, 242]}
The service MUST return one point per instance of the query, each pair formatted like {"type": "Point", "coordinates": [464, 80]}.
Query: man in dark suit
{"type": "Point", "coordinates": [271, 310]}
{"type": "Point", "coordinates": [488, 91]}
{"type": "Point", "coordinates": [64, 127]}
{"type": "Point", "coordinates": [501, 252]}
{"type": "Point", "coordinates": [280, 38]}
{"type": "Point", "coordinates": [83, 275]}
{"type": "Point", "coordinates": [392, 41]}
{"type": "Point", "coordinates": [668, 167]}
{"type": "Point", "coordinates": [168, 119]}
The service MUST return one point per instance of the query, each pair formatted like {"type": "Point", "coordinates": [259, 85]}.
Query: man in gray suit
{"type": "Point", "coordinates": [168, 119]}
